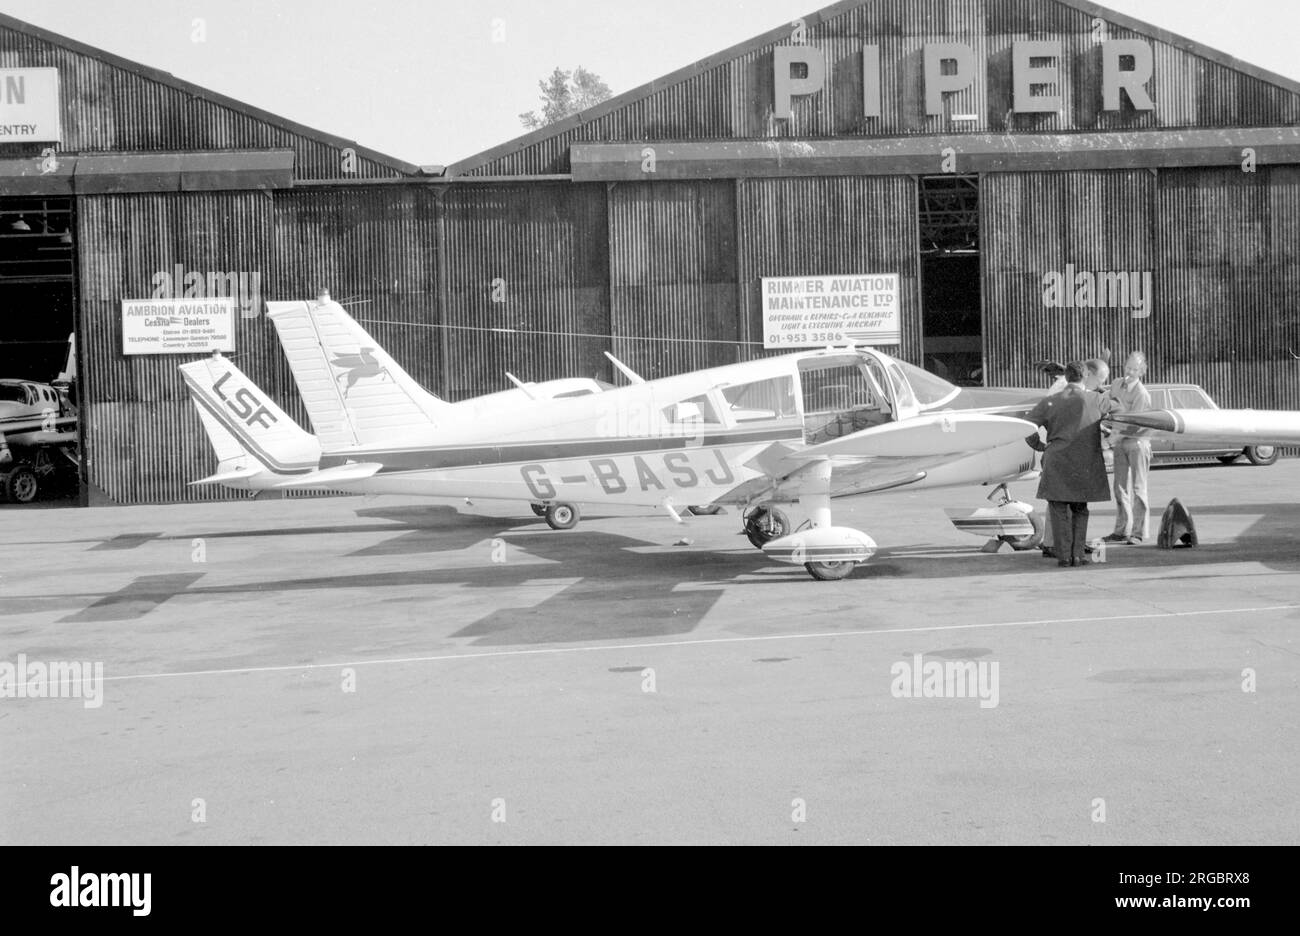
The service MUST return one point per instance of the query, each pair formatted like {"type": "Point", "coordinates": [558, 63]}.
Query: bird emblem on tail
{"type": "Point", "coordinates": [357, 366]}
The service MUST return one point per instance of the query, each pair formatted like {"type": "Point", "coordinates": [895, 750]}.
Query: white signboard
{"type": "Point", "coordinates": [29, 105]}
{"type": "Point", "coordinates": [815, 311]}
{"type": "Point", "coordinates": [178, 326]}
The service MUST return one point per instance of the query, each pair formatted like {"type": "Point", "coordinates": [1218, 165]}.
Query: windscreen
{"type": "Point", "coordinates": [928, 389]}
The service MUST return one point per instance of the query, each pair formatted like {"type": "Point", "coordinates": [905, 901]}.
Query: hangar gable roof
{"type": "Point", "coordinates": [111, 104]}
{"type": "Point", "coordinates": [729, 95]}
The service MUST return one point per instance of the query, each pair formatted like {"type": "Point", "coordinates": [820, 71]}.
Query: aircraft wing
{"type": "Point", "coordinates": [1231, 427]}
{"type": "Point", "coordinates": [924, 437]}
{"type": "Point", "coordinates": [887, 456]}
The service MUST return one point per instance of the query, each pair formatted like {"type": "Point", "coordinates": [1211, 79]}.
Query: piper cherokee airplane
{"type": "Point", "coordinates": [791, 431]}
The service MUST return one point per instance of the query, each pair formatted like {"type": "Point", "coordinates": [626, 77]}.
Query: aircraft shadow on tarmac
{"type": "Point", "coordinates": [604, 590]}
{"type": "Point", "coordinates": [435, 529]}
{"type": "Point", "coordinates": [609, 586]}
{"type": "Point", "coordinates": [1272, 540]}
{"type": "Point", "coordinates": [442, 529]}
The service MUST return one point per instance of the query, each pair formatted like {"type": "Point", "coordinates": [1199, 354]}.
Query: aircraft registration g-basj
{"type": "Point", "coordinates": [783, 432]}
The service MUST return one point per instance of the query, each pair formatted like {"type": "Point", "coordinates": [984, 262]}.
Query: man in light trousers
{"type": "Point", "coordinates": [1132, 457]}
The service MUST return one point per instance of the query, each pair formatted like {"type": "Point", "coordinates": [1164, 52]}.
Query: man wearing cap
{"type": "Point", "coordinates": [1132, 456]}
{"type": "Point", "coordinates": [1074, 471]}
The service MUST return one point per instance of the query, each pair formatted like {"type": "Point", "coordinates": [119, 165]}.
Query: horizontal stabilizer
{"type": "Point", "coordinates": [226, 477]}
{"type": "Point", "coordinates": [331, 476]}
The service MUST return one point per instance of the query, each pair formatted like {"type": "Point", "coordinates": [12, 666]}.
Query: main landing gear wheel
{"type": "Point", "coordinates": [1262, 454]}
{"type": "Point", "coordinates": [539, 509]}
{"type": "Point", "coordinates": [764, 524]}
{"type": "Point", "coordinates": [829, 571]}
{"type": "Point", "coordinates": [1032, 541]}
{"type": "Point", "coordinates": [562, 516]}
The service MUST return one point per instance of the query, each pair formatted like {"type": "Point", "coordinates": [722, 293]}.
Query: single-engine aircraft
{"type": "Point", "coordinates": [791, 431]}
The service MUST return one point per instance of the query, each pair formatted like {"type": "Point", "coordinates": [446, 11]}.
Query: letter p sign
{"type": "Point", "coordinates": [811, 65]}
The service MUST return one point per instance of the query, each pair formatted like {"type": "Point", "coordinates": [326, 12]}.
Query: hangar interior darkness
{"type": "Point", "coordinates": [37, 286]}
{"type": "Point", "coordinates": [949, 221]}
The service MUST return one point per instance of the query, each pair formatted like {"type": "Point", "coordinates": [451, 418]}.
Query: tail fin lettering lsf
{"type": "Point", "coordinates": [355, 394]}
{"type": "Point", "coordinates": [256, 443]}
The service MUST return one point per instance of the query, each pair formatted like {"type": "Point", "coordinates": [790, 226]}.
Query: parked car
{"type": "Point", "coordinates": [1168, 451]}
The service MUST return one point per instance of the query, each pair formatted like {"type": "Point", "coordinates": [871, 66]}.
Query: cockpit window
{"type": "Point", "coordinates": [697, 409]}
{"type": "Point", "coordinates": [838, 385]}
{"type": "Point", "coordinates": [761, 400]}
{"type": "Point", "coordinates": [842, 395]}
{"type": "Point", "coordinates": [13, 393]}
{"type": "Point", "coordinates": [902, 390]}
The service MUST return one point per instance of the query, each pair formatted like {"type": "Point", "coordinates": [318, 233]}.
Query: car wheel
{"type": "Point", "coordinates": [829, 571]}
{"type": "Point", "coordinates": [562, 516]}
{"type": "Point", "coordinates": [1262, 454]}
{"type": "Point", "coordinates": [21, 485]}
{"type": "Point", "coordinates": [764, 524]}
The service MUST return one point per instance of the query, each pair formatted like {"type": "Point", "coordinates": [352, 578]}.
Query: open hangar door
{"type": "Point", "coordinates": [952, 318]}
{"type": "Point", "coordinates": [40, 460]}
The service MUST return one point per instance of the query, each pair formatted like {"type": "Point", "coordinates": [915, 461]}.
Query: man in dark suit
{"type": "Point", "coordinates": [1074, 470]}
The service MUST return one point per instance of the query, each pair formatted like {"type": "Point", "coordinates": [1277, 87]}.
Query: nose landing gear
{"type": "Point", "coordinates": [764, 524]}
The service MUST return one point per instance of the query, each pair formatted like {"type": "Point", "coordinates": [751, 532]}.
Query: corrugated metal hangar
{"type": "Point", "coordinates": [1044, 179]}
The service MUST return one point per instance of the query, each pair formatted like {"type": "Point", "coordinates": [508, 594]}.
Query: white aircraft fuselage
{"type": "Point", "coordinates": [688, 439]}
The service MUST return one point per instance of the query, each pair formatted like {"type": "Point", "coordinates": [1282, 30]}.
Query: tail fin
{"type": "Point", "coordinates": [256, 443]}
{"type": "Point", "coordinates": [69, 372]}
{"type": "Point", "coordinates": [355, 393]}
